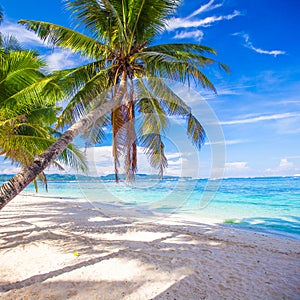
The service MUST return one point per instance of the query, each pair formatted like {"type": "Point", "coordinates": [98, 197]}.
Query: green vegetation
{"type": "Point", "coordinates": [234, 222]}
{"type": "Point", "coordinates": [119, 46]}
{"type": "Point", "coordinates": [28, 108]}
{"type": "Point", "coordinates": [119, 43]}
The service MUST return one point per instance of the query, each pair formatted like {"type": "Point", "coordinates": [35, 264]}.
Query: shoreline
{"type": "Point", "coordinates": [64, 249]}
{"type": "Point", "coordinates": [153, 215]}
{"type": "Point", "coordinates": [264, 232]}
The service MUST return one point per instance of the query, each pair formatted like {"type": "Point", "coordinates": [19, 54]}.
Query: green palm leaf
{"type": "Point", "coordinates": [154, 148]}
{"type": "Point", "coordinates": [97, 16]}
{"type": "Point", "coordinates": [195, 131]}
{"type": "Point", "coordinates": [67, 38]}
{"type": "Point", "coordinates": [86, 83]}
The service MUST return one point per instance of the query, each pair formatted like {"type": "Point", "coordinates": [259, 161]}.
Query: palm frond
{"type": "Point", "coordinates": [181, 62]}
{"type": "Point", "coordinates": [181, 48]}
{"type": "Point", "coordinates": [84, 85]}
{"type": "Point", "coordinates": [41, 91]}
{"type": "Point", "coordinates": [9, 43]}
{"type": "Point", "coordinates": [20, 66]}
{"type": "Point", "coordinates": [102, 18]}
{"type": "Point", "coordinates": [195, 131]}
{"type": "Point", "coordinates": [96, 134]}
{"type": "Point", "coordinates": [170, 101]}
{"type": "Point", "coordinates": [154, 116]}
{"type": "Point", "coordinates": [43, 179]}
{"type": "Point", "coordinates": [64, 37]}
{"type": "Point", "coordinates": [74, 158]}
{"type": "Point", "coordinates": [27, 99]}
{"type": "Point", "coordinates": [154, 148]}
{"type": "Point", "coordinates": [21, 82]}
{"type": "Point", "coordinates": [146, 18]}
{"type": "Point", "coordinates": [152, 123]}
{"type": "Point", "coordinates": [22, 149]}
{"type": "Point", "coordinates": [170, 67]}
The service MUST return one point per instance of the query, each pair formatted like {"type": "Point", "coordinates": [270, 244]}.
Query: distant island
{"type": "Point", "coordinates": [109, 177]}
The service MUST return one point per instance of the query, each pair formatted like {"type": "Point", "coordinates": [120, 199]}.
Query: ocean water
{"type": "Point", "coordinates": [269, 205]}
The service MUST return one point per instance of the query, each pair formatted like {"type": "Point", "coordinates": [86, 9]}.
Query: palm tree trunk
{"type": "Point", "coordinates": [20, 181]}
{"type": "Point", "coordinates": [117, 121]}
{"type": "Point", "coordinates": [131, 147]}
{"type": "Point", "coordinates": [114, 143]}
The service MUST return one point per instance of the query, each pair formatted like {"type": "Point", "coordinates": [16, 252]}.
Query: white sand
{"type": "Point", "coordinates": [126, 258]}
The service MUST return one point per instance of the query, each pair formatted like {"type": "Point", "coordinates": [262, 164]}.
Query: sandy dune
{"type": "Point", "coordinates": [134, 258]}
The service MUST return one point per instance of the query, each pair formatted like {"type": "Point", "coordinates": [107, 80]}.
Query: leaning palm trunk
{"type": "Point", "coordinates": [20, 181]}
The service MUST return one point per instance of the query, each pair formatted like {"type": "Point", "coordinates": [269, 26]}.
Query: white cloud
{"type": "Point", "coordinates": [249, 45]}
{"type": "Point", "coordinates": [6, 167]}
{"type": "Point", "coordinates": [100, 162]}
{"type": "Point", "coordinates": [240, 165]}
{"type": "Point", "coordinates": [11, 170]}
{"type": "Point", "coordinates": [260, 118]}
{"type": "Point", "coordinates": [24, 36]}
{"type": "Point", "coordinates": [236, 169]}
{"type": "Point", "coordinates": [288, 126]}
{"type": "Point", "coordinates": [225, 91]}
{"type": "Point", "coordinates": [205, 7]}
{"type": "Point", "coordinates": [228, 142]}
{"type": "Point", "coordinates": [288, 102]}
{"type": "Point", "coordinates": [61, 59]}
{"type": "Point", "coordinates": [195, 34]}
{"type": "Point", "coordinates": [174, 155]}
{"type": "Point", "coordinates": [285, 164]}
{"type": "Point", "coordinates": [273, 52]}
{"type": "Point", "coordinates": [230, 92]}
{"type": "Point", "coordinates": [234, 142]}
{"type": "Point", "coordinates": [178, 162]}
{"type": "Point", "coordinates": [284, 168]}
{"type": "Point", "coordinates": [175, 23]}
{"type": "Point", "coordinates": [192, 22]}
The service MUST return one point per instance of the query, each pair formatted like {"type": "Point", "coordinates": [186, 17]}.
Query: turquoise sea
{"type": "Point", "coordinates": [269, 205]}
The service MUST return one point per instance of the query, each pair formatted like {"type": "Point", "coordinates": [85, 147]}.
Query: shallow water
{"type": "Point", "coordinates": [261, 204]}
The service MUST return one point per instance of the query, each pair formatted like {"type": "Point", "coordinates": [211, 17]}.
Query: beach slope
{"type": "Point", "coordinates": [54, 248]}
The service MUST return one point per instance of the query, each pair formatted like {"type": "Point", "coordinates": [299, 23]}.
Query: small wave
{"type": "Point", "coordinates": [281, 226]}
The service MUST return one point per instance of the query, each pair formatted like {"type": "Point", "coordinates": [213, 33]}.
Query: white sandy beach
{"type": "Point", "coordinates": [133, 258]}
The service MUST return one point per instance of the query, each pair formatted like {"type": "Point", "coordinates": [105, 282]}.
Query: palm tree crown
{"type": "Point", "coordinates": [120, 48]}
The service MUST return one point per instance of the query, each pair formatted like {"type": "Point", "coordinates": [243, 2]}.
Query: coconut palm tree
{"type": "Point", "coordinates": [27, 110]}
{"type": "Point", "coordinates": [119, 43]}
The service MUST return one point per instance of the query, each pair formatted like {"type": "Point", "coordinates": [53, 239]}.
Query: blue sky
{"type": "Point", "coordinates": [258, 104]}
